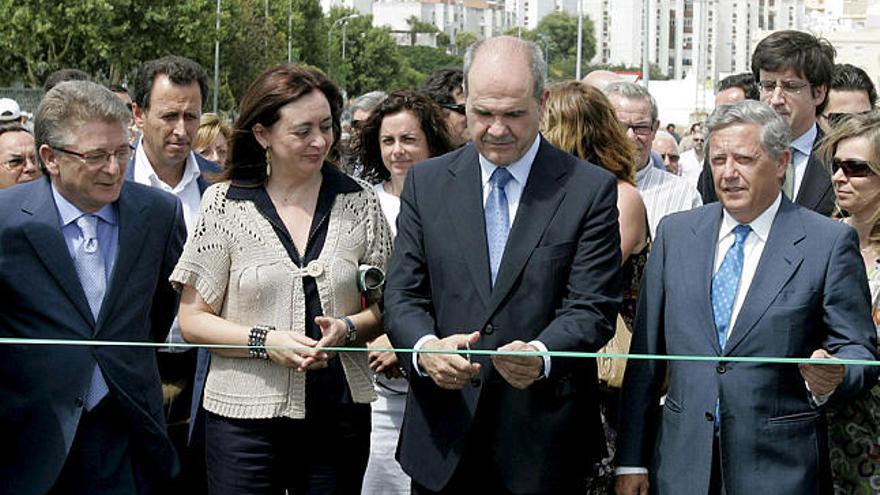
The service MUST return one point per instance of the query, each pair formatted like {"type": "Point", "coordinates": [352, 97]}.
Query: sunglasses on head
{"type": "Point", "coordinates": [835, 118]}
{"type": "Point", "coordinates": [459, 108]}
{"type": "Point", "coordinates": [851, 168]}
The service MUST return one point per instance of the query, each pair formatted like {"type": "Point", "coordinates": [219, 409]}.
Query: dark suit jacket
{"type": "Point", "coordinates": [558, 283]}
{"type": "Point", "coordinates": [815, 192]}
{"type": "Point", "coordinates": [42, 387]}
{"type": "Point", "coordinates": [809, 292]}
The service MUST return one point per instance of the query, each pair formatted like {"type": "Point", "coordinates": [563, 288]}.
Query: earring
{"type": "Point", "coordinates": [268, 163]}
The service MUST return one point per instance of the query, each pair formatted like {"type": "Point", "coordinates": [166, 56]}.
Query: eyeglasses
{"type": "Point", "coordinates": [459, 108]}
{"type": "Point", "coordinates": [851, 168]}
{"type": "Point", "coordinates": [788, 87]}
{"type": "Point", "coordinates": [15, 163]}
{"type": "Point", "coordinates": [836, 118]}
{"type": "Point", "coordinates": [672, 158]}
{"type": "Point", "coordinates": [98, 158]}
{"type": "Point", "coordinates": [638, 129]}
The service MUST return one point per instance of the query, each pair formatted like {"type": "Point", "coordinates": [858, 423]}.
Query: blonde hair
{"type": "Point", "coordinates": [580, 119]}
{"type": "Point", "coordinates": [865, 126]}
{"type": "Point", "coordinates": [210, 126]}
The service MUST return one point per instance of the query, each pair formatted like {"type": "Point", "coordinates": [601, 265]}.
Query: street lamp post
{"type": "Point", "coordinates": [217, 57]}
{"type": "Point", "coordinates": [341, 21]}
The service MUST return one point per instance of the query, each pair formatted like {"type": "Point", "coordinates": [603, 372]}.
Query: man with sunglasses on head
{"type": "Point", "coordinates": [851, 92]}
{"type": "Point", "coordinates": [444, 87]}
{"type": "Point", "coordinates": [793, 70]}
{"type": "Point", "coordinates": [663, 192]}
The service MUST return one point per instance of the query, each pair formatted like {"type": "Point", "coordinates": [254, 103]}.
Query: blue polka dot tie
{"type": "Point", "coordinates": [90, 267]}
{"type": "Point", "coordinates": [725, 283]}
{"type": "Point", "coordinates": [497, 218]}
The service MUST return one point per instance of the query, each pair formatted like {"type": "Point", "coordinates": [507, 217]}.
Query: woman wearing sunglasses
{"type": "Point", "coordinates": [853, 151]}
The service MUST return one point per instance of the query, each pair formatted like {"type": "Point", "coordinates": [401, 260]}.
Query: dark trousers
{"type": "Point", "coordinates": [100, 461]}
{"type": "Point", "coordinates": [324, 454]}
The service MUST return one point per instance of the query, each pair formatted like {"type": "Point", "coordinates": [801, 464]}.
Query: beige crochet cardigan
{"type": "Point", "coordinates": [238, 265]}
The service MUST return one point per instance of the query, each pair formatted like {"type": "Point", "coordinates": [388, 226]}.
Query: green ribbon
{"type": "Point", "coordinates": [463, 352]}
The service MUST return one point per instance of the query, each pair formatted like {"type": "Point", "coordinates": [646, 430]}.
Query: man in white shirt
{"type": "Point", "coordinates": [663, 192]}
{"type": "Point", "coordinates": [753, 276]}
{"type": "Point", "coordinates": [168, 97]}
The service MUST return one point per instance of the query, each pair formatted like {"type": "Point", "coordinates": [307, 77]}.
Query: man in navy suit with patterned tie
{"type": "Point", "coordinates": [84, 256]}
{"type": "Point", "coordinates": [752, 276]}
{"type": "Point", "coordinates": [511, 244]}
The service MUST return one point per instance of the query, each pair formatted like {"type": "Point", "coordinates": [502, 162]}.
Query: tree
{"type": "Point", "coordinates": [556, 34]}
{"type": "Point", "coordinates": [372, 60]}
{"type": "Point", "coordinates": [424, 60]}
{"type": "Point", "coordinates": [463, 40]}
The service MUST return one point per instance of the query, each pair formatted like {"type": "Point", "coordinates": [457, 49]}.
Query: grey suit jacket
{"type": "Point", "coordinates": [809, 292]}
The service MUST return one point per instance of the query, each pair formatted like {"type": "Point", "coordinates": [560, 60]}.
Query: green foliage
{"type": "Point", "coordinates": [463, 40]}
{"type": "Point", "coordinates": [556, 34]}
{"type": "Point", "coordinates": [425, 59]}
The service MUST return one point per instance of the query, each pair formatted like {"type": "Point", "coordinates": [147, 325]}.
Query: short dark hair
{"type": "Point", "coordinates": [59, 76]}
{"type": "Point", "coordinates": [262, 103]}
{"type": "Point", "coordinates": [848, 77]}
{"type": "Point", "coordinates": [430, 118]}
{"type": "Point", "coordinates": [180, 70]}
{"type": "Point", "coordinates": [744, 81]}
{"type": "Point", "coordinates": [809, 56]}
{"type": "Point", "coordinates": [441, 85]}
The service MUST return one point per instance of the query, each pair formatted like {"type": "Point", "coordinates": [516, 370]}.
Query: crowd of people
{"type": "Point", "coordinates": [273, 262]}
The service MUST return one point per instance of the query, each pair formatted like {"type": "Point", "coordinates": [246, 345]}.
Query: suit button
{"type": "Point", "coordinates": [488, 329]}
{"type": "Point", "coordinates": [721, 369]}
{"type": "Point", "coordinates": [79, 402]}
{"type": "Point", "coordinates": [710, 417]}
{"type": "Point", "coordinates": [476, 382]}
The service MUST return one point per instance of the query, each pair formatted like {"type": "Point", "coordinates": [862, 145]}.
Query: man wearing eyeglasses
{"type": "Point", "coordinates": [794, 70]}
{"type": "Point", "coordinates": [662, 192]}
{"type": "Point", "coordinates": [85, 256]}
{"type": "Point", "coordinates": [851, 92]}
{"type": "Point", "coordinates": [17, 161]}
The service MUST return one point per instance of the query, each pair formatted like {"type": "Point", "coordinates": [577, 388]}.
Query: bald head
{"type": "Point", "coordinates": [601, 78]}
{"type": "Point", "coordinates": [665, 146]}
{"type": "Point", "coordinates": [503, 52]}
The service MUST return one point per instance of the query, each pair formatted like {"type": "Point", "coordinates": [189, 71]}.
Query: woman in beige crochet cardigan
{"type": "Point", "coordinates": [272, 265]}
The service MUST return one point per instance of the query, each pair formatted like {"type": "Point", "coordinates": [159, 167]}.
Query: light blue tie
{"type": "Point", "coordinates": [92, 276]}
{"type": "Point", "coordinates": [497, 219]}
{"type": "Point", "coordinates": [725, 283]}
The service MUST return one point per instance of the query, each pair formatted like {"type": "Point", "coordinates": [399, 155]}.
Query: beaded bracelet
{"type": "Point", "coordinates": [257, 341]}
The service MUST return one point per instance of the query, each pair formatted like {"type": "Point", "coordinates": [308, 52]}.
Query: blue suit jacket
{"type": "Point", "coordinates": [809, 292]}
{"type": "Point", "coordinates": [42, 387]}
{"type": "Point", "coordinates": [559, 282]}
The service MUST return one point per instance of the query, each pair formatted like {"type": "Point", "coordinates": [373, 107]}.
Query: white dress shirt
{"type": "Point", "coordinates": [520, 170]}
{"type": "Point", "coordinates": [664, 193]}
{"type": "Point", "coordinates": [803, 147]}
{"type": "Point", "coordinates": [187, 189]}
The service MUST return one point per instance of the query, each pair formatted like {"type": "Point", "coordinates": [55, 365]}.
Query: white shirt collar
{"type": "Point", "coordinates": [804, 142]}
{"type": "Point", "coordinates": [69, 212]}
{"type": "Point", "coordinates": [145, 174]}
{"type": "Point", "coordinates": [519, 169]}
{"type": "Point", "coordinates": [760, 226]}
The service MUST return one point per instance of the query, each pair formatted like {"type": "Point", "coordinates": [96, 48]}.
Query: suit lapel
{"type": "Point", "coordinates": [129, 246]}
{"type": "Point", "coordinates": [540, 198]}
{"type": "Point", "coordinates": [465, 207]}
{"type": "Point", "coordinates": [780, 259]}
{"type": "Point", "coordinates": [816, 182]}
{"type": "Point", "coordinates": [43, 230]}
{"type": "Point", "coordinates": [705, 232]}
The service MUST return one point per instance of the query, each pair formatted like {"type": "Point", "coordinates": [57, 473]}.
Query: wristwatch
{"type": "Point", "coordinates": [352, 332]}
